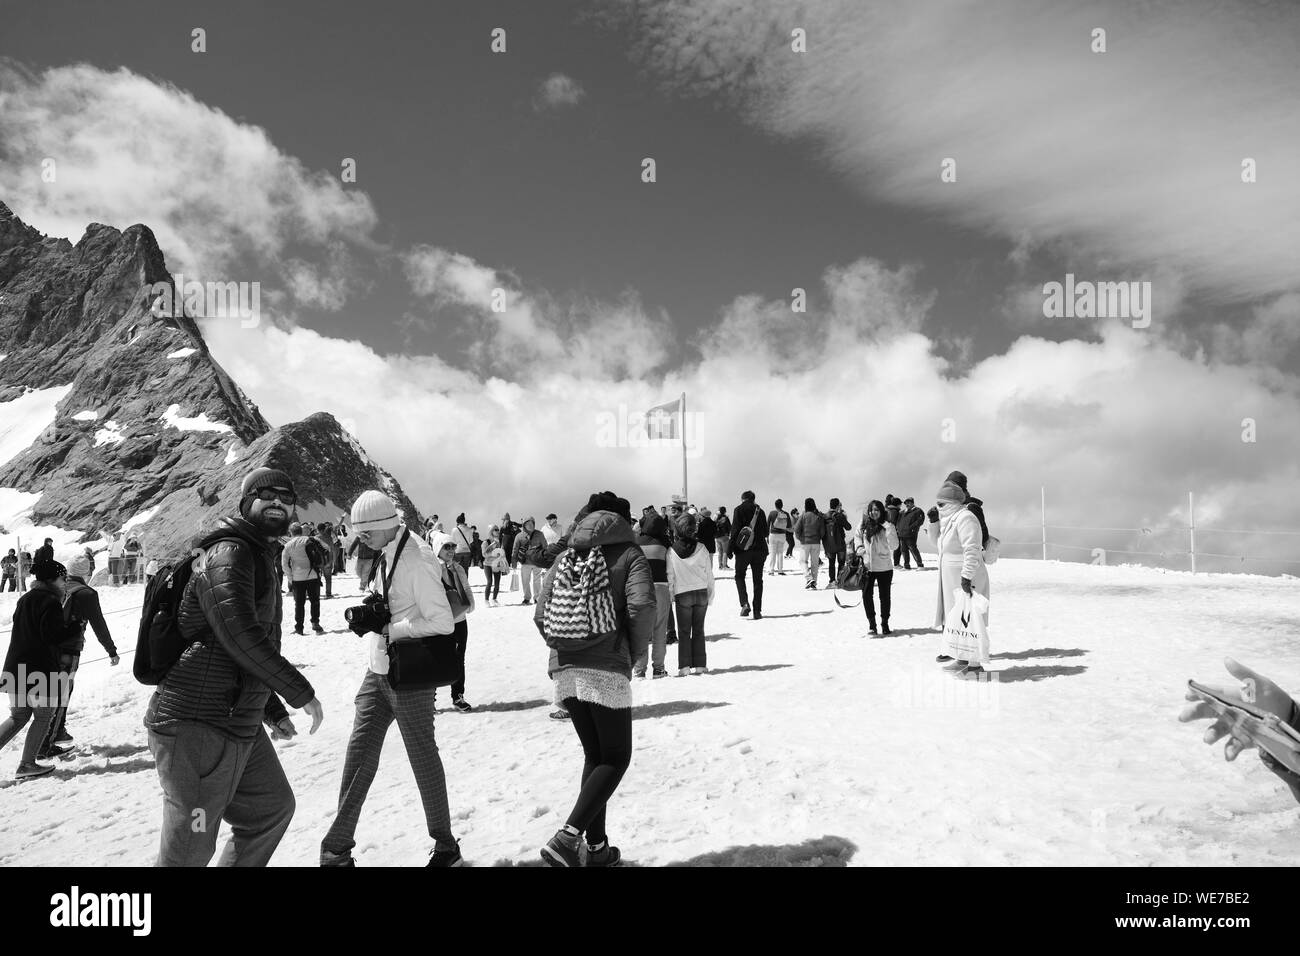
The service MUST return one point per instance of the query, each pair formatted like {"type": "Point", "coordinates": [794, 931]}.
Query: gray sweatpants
{"type": "Point", "coordinates": [207, 777]}
{"type": "Point", "coordinates": [657, 650]}
{"type": "Point", "coordinates": [378, 705]}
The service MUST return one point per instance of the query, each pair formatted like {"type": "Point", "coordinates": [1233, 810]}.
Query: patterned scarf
{"type": "Point", "coordinates": [581, 604]}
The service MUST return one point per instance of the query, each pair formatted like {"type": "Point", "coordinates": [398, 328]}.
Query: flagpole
{"type": "Point", "coordinates": [683, 429]}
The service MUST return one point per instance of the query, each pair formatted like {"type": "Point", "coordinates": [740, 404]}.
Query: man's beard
{"type": "Point", "coordinates": [273, 526]}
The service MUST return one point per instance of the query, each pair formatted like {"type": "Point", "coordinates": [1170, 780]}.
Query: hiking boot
{"type": "Point", "coordinates": [297, 630]}
{"type": "Point", "coordinates": [28, 770]}
{"type": "Point", "coordinates": [316, 628]}
{"type": "Point", "coordinates": [942, 658]}
{"type": "Point", "coordinates": [744, 610]}
{"type": "Point", "coordinates": [562, 850]}
{"type": "Point", "coordinates": [329, 858]}
{"type": "Point", "coordinates": [450, 857]}
{"type": "Point", "coordinates": [559, 714]}
{"type": "Point", "coordinates": [604, 855]}
{"type": "Point", "coordinates": [461, 704]}
{"type": "Point", "coordinates": [884, 628]}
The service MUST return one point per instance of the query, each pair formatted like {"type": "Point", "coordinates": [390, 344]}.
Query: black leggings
{"type": "Point", "coordinates": [885, 579]}
{"type": "Point", "coordinates": [461, 636]}
{"type": "Point", "coordinates": [493, 587]}
{"type": "Point", "coordinates": [606, 736]}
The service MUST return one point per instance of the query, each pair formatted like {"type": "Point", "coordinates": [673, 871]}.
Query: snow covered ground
{"type": "Point", "coordinates": [803, 729]}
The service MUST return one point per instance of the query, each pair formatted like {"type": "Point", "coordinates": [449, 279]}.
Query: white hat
{"type": "Point", "coordinates": [78, 565]}
{"type": "Point", "coordinates": [440, 540]}
{"type": "Point", "coordinates": [373, 511]}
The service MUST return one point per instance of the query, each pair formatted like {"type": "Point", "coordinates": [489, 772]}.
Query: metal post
{"type": "Point", "coordinates": [22, 567]}
{"type": "Point", "coordinates": [1191, 529]}
{"type": "Point", "coordinates": [1044, 502]}
{"type": "Point", "coordinates": [685, 496]}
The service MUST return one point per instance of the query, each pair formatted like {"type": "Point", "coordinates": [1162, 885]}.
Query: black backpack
{"type": "Point", "coordinates": [158, 643]}
{"type": "Point", "coordinates": [318, 555]}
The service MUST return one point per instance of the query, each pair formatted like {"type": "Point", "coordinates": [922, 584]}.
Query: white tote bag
{"type": "Point", "coordinates": [965, 629]}
{"type": "Point", "coordinates": [514, 580]}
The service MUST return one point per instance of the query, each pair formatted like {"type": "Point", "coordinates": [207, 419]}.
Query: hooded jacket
{"type": "Point", "coordinates": [690, 568]}
{"type": "Point", "coordinates": [81, 607]}
{"type": "Point", "coordinates": [630, 585]}
{"type": "Point", "coordinates": [810, 528]}
{"type": "Point", "coordinates": [38, 631]}
{"type": "Point", "coordinates": [230, 675]}
{"type": "Point", "coordinates": [706, 533]}
{"type": "Point", "coordinates": [652, 536]}
{"type": "Point", "coordinates": [837, 522]}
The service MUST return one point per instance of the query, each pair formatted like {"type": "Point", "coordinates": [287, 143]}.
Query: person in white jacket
{"type": "Point", "coordinates": [690, 582]}
{"type": "Point", "coordinates": [410, 577]}
{"type": "Point", "coordinates": [958, 538]}
{"type": "Point", "coordinates": [876, 540]}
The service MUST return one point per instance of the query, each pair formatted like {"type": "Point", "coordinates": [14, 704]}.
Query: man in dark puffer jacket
{"type": "Point", "coordinates": [214, 760]}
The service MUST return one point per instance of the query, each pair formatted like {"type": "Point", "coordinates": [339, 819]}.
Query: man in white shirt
{"type": "Point", "coordinates": [418, 608]}
{"type": "Point", "coordinates": [551, 530]}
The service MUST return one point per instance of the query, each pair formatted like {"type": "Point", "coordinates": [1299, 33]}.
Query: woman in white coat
{"type": "Point", "coordinates": [958, 539]}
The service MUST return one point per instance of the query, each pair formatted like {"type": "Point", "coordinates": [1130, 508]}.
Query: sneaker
{"type": "Point", "coordinates": [971, 672]}
{"type": "Point", "coordinates": [758, 615]}
{"type": "Point", "coordinates": [328, 858]}
{"type": "Point", "coordinates": [560, 714]}
{"type": "Point", "coordinates": [640, 676]}
{"type": "Point", "coordinates": [52, 751]}
{"type": "Point", "coordinates": [604, 855]}
{"type": "Point", "coordinates": [660, 672]}
{"type": "Point", "coordinates": [450, 857]}
{"type": "Point", "coordinates": [942, 658]}
{"type": "Point", "coordinates": [684, 671]}
{"type": "Point", "coordinates": [461, 704]}
{"type": "Point", "coordinates": [63, 738]}
{"type": "Point", "coordinates": [699, 670]}
{"type": "Point", "coordinates": [297, 630]}
{"type": "Point", "coordinates": [562, 850]}
{"type": "Point", "coordinates": [744, 610]}
{"type": "Point", "coordinates": [526, 601]}
{"type": "Point", "coordinates": [316, 628]}
{"type": "Point", "coordinates": [27, 770]}
{"type": "Point", "coordinates": [956, 666]}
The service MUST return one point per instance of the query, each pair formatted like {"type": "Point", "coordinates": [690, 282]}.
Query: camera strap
{"type": "Point", "coordinates": [388, 576]}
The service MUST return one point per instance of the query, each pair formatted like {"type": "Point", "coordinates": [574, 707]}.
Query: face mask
{"type": "Point", "coordinates": [947, 507]}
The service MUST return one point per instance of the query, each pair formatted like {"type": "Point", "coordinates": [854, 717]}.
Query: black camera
{"type": "Point", "coordinates": [368, 617]}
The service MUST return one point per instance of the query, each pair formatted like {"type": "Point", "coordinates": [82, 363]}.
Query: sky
{"type": "Point", "coordinates": [923, 345]}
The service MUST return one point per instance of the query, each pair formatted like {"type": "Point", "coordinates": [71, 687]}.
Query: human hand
{"type": "Point", "coordinates": [283, 730]}
{"type": "Point", "coordinates": [1268, 696]}
{"type": "Point", "coordinates": [933, 514]}
{"type": "Point", "coordinates": [316, 712]}
{"type": "Point", "coordinates": [966, 586]}
{"type": "Point", "coordinates": [115, 659]}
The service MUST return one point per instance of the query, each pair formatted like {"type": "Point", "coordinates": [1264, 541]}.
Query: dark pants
{"type": "Point", "coordinates": [606, 736]}
{"type": "Point", "coordinates": [364, 567]}
{"type": "Point", "coordinates": [329, 583]}
{"type": "Point", "coordinates": [884, 580]}
{"type": "Point", "coordinates": [493, 588]}
{"type": "Point", "coordinates": [68, 664]}
{"type": "Point", "coordinates": [461, 635]}
{"type": "Point", "coordinates": [302, 590]}
{"type": "Point", "coordinates": [789, 543]}
{"type": "Point", "coordinates": [691, 608]}
{"type": "Point", "coordinates": [897, 553]}
{"type": "Point", "coordinates": [10, 582]}
{"type": "Point", "coordinates": [463, 559]}
{"type": "Point", "coordinates": [751, 561]}
{"type": "Point", "coordinates": [834, 562]}
{"type": "Point", "coordinates": [378, 705]}
{"type": "Point", "coordinates": [907, 545]}
{"type": "Point", "coordinates": [17, 720]}
{"type": "Point", "coordinates": [206, 778]}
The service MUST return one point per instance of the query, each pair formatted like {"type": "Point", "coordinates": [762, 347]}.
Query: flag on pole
{"type": "Point", "coordinates": [662, 421]}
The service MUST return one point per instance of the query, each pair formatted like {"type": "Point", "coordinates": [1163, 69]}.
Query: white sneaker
{"type": "Point", "coordinates": [699, 670]}
{"type": "Point", "coordinates": [683, 671]}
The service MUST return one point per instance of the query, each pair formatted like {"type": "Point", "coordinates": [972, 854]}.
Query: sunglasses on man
{"type": "Point", "coordinates": [283, 494]}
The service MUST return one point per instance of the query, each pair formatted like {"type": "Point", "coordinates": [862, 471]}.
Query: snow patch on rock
{"type": "Point", "coordinates": [181, 353]}
{"type": "Point", "coordinates": [141, 518]}
{"type": "Point", "coordinates": [25, 419]}
{"type": "Point", "coordinates": [199, 423]}
{"type": "Point", "coordinates": [110, 434]}
{"type": "Point", "coordinates": [86, 416]}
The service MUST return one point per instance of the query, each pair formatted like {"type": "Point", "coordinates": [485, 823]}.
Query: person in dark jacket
{"type": "Point", "coordinates": [30, 677]}
{"type": "Point", "coordinates": [706, 531]}
{"type": "Point", "coordinates": [722, 532]}
{"type": "Point", "coordinates": [80, 607]}
{"type": "Point", "coordinates": [214, 760]}
{"type": "Point", "coordinates": [594, 682]}
{"type": "Point", "coordinates": [910, 521]}
{"type": "Point", "coordinates": [745, 515]}
{"type": "Point", "coordinates": [46, 551]}
{"type": "Point", "coordinates": [528, 550]}
{"type": "Point", "coordinates": [9, 564]}
{"type": "Point", "coordinates": [654, 539]}
{"type": "Point", "coordinates": [835, 543]}
{"type": "Point", "coordinates": [893, 507]}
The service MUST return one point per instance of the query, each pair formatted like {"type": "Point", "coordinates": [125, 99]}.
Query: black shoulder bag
{"type": "Point", "coordinates": [420, 663]}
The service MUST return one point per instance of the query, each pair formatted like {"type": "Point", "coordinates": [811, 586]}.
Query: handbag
{"type": "Point", "coordinates": [745, 538]}
{"type": "Point", "coordinates": [422, 663]}
{"type": "Point", "coordinates": [514, 580]}
{"type": "Point", "coordinates": [850, 576]}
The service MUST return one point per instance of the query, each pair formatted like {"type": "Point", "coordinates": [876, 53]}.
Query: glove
{"type": "Point", "coordinates": [965, 585]}
{"type": "Point", "coordinates": [933, 514]}
{"type": "Point", "coordinates": [115, 659]}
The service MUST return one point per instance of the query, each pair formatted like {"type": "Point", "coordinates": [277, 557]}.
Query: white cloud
{"type": "Point", "coordinates": [1132, 156]}
{"type": "Point", "coordinates": [218, 194]}
{"type": "Point", "coordinates": [558, 91]}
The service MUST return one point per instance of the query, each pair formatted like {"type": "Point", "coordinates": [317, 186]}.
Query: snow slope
{"type": "Point", "coordinates": [803, 729]}
{"type": "Point", "coordinates": [23, 419]}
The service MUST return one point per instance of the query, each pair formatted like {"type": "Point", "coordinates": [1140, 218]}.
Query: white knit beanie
{"type": "Point", "coordinates": [373, 511]}
{"type": "Point", "coordinates": [78, 565]}
{"type": "Point", "coordinates": [440, 540]}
